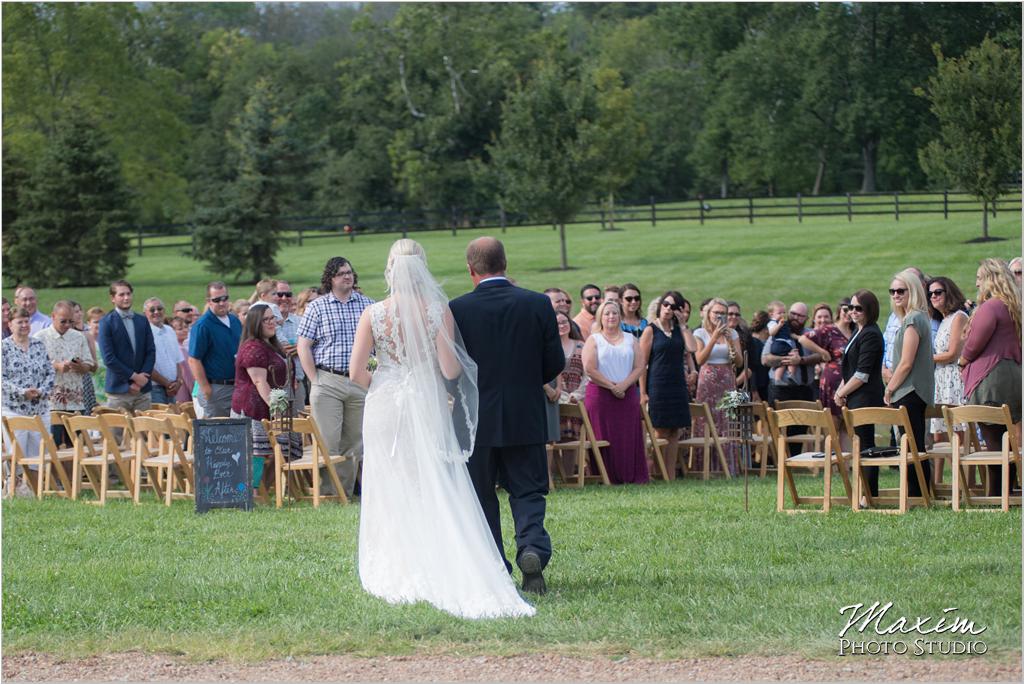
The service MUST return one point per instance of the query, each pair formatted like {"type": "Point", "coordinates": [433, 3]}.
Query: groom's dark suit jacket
{"type": "Point", "coordinates": [512, 335]}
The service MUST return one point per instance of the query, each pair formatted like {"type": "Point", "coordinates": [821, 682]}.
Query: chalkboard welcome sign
{"type": "Point", "coordinates": [223, 463]}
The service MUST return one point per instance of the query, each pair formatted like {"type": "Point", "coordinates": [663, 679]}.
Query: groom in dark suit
{"type": "Point", "coordinates": [512, 335]}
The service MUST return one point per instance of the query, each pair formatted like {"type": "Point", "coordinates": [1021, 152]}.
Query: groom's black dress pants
{"type": "Point", "coordinates": [522, 471]}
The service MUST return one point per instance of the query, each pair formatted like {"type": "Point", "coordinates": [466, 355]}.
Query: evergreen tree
{"type": "Point", "coordinates": [977, 101]}
{"type": "Point", "coordinates": [71, 211]}
{"type": "Point", "coordinates": [237, 229]}
{"type": "Point", "coordinates": [545, 167]}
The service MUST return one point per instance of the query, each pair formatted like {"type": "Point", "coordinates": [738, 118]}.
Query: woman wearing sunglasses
{"type": "Point", "coordinates": [632, 322]}
{"type": "Point", "coordinates": [663, 386]}
{"type": "Point", "coordinates": [946, 304]}
{"type": "Point", "coordinates": [912, 384]}
{"type": "Point", "coordinates": [862, 384]}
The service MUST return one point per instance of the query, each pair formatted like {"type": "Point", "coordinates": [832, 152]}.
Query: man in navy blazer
{"type": "Point", "coordinates": [126, 343]}
{"type": "Point", "coordinates": [512, 335]}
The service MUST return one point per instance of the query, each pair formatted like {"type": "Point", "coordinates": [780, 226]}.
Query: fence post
{"type": "Point", "coordinates": [654, 213]}
{"type": "Point", "coordinates": [455, 222]}
{"type": "Point", "coordinates": [700, 203]}
{"type": "Point", "coordinates": [501, 211]}
{"type": "Point", "coordinates": [799, 208]}
{"type": "Point", "coordinates": [300, 236]}
{"type": "Point", "coordinates": [945, 204]}
{"type": "Point", "coordinates": [193, 228]}
{"type": "Point", "coordinates": [602, 218]}
{"type": "Point", "coordinates": [750, 208]}
{"type": "Point", "coordinates": [849, 208]}
{"type": "Point", "coordinates": [139, 230]}
{"type": "Point", "coordinates": [896, 204]}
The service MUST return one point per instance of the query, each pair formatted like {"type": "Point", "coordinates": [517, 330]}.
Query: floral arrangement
{"type": "Point", "coordinates": [731, 400]}
{"type": "Point", "coordinates": [371, 364]}
{"type": "Point", "coordinates": [278, 402]}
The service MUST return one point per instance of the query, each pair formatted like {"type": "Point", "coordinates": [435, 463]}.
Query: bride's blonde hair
{"type": "Point", "coordinates": [403, 247]}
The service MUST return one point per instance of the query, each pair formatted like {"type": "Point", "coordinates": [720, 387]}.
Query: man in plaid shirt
{"type": "Point", "coordinates": [326, 335]}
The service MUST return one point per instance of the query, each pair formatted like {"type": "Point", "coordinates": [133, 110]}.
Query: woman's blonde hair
{"type": "Point", "coordinates": [598, 325]}
{"type": "Point", "coordinates": [262, 288]}
{"type": "Point", "coordinates": [916, 298]}
{"type": "Point", "coordinates": [997, 282]}
{"type": "Point", "coordinates": [303, 299]}
{"type": "Point", "coordinates": [706, 312]}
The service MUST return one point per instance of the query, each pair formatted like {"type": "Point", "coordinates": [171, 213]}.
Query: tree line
{"type": "Point", "coordinates": [232, 115]}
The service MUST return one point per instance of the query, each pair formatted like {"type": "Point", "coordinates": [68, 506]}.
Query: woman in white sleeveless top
{"type": "Point", "coordinates": [613, 362]}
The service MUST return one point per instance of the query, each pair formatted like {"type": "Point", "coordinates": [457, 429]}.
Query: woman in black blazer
{"type": "Point", "coordinates": [862, 370]}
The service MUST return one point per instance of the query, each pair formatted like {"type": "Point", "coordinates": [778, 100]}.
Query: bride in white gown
{"type": "Point", "coordinates": [422, 533]}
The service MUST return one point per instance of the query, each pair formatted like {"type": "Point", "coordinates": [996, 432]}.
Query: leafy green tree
{"type": "Point", "coordinates": [238, 231]}
{"type": "Point", "coordinates": [977, 100]}
{"type": "Point", "coordinates": [616, 141]}
{"type": "Point", "coordinates": [71, 212]}
{"type": "Point", "coordinates": [542, 158]}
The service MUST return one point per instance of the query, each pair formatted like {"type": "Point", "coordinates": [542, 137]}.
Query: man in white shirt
{"type": "Point", "coordinates": [26, 297]}
{"type": "Point", "coordinates": [166, 369]}
{"type": "Point", "coordinates": [288, 336]}
{"type": "Point", "coordinates": [72, 360]}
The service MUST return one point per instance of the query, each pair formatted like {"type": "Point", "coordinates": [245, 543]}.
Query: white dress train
{"type": "Point", "coordinates": [422, 533]}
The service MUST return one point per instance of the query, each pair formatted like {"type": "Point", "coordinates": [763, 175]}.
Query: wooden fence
{"type": "Point", "coordinates": [298, 229]}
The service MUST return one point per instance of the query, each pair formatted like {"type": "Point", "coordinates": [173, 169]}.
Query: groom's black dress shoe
{"type": "Point", "coordinates": [533, 579]}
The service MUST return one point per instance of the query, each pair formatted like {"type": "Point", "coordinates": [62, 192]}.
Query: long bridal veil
{"type": "Point", "coordinates": [440, 376]}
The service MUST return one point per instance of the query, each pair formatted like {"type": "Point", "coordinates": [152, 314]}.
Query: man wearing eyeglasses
{"type": "Point", "coordinates": [590, 299]}
{"type": "Point", "coordinates": [798, 374]}
{"type": "Point", "coordinates": [72, 360]}
{"type": "Point", "coordinates": [288, 336]}
{"type": "Point", "coordinates": [126, 343]}
{"type": "Point", "coordinates": [213, 342]}
{"type": "Point", "coordinates": [166, 368]}
{"type": "Point", "coordinates": [1015, 266]}
{"type": "Point", "coordinates": [326, 336]}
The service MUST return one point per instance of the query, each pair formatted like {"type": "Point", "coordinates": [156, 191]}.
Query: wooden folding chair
{"type": "Point", "coordinates": [106, 410]}
{"type": "Point", "coordinates": [708, 442]}
{"type": "Point", "coordinates": [811, 440]}
{"type": "Point", "coordinates": [831, 457]}
{"type": "Point", "coordinates": [187, 408]}
{"type": "Point", "coordinates": [965, 456]}
{"type": "Point", "coordinates": [653, 443]}
{"type": "Point", "coordinates": [94, 458]}
{"type": "Point", "coordinates": [314, 457]}
{"type": "Point", "coordinates": [7, 453]}
{"type": "Point", "coordinates": [765, 437]}
{"type": "Point", "coordinates": [48, 460]}
{"type": "Point", "coordinates": [158, 450]}
{"type": "Point", "coordinates": [587, 445]}
{"type": "Point", "coordinates": [907, 458]}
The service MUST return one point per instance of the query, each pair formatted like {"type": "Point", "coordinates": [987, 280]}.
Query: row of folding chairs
{"type": "Point", "coordinates": [965, 452]}
{"type": "Point", "coordinates": [150, 449]}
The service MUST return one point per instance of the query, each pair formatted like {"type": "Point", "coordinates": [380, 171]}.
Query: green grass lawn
{"type": "Point", "coordinates": [823, 258]}
{"type": "Point", "coordinates": [664, 570]}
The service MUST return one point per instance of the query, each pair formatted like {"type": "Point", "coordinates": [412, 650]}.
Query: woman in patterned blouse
{"type": "Point", "coordinates": [27, 379]}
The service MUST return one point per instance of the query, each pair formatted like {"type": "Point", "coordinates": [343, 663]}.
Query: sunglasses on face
{"type": "Point", "coordinates": [1016, 272]}
{"type": "Point", "coordinates": [893, 291]}
{"type": "Point", "coordinates": [220, 300]}
{"type": "Point", "coordinates": [733, 315]}
{"type": "Point", "coordinates": [154, 309]}
{"type": "Point", "coordinates": [672, 305]}
{"type": "Point", "coordinates": [856, 307]}
{"type": "Point", "coordinates": [592, 298]}
{"type": "Point", "coordinates": [284, 294]}
{"type": "Point", "coordinates": [631, 299]}
{"type": "Point", "coordinates": [844, 307]}
{"type": "Point", "coordinates": [936, 293]}
{"type": "Point", "coordinates": [187, 309]}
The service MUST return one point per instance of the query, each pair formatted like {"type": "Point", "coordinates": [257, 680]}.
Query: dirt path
{"type": "Point", "coordinates": [539, 668]}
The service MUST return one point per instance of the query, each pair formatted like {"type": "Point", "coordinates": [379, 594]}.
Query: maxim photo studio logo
{"type": "Point", "coordinates": [873, 630]}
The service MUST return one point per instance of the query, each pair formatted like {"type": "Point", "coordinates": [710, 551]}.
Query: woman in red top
{"type": "Point", "coordinates": [991, 355]}
{"type": "Point", "coordinates": [260, 366]}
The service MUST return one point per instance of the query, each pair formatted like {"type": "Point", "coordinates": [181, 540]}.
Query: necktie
{"type": "Point", "coordinates": [129, 326]}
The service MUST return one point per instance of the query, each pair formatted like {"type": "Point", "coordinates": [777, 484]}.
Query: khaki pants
{"type": "Point", "coordinates": [143, 401]}
{"type": "Point", "coordinates": [337, 406]}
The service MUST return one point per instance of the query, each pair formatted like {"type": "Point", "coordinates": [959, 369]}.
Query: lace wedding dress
{"type": "Point", "coordinates": [422, 533]}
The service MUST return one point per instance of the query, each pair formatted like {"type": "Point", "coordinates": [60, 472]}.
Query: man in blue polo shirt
{"type": "Point", "coordinates": [213, 342]}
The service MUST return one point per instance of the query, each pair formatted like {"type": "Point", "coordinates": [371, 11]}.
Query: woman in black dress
{"type": "Point", "coordinates": [663, 387]}
{"type": "Point", "coordinates": [862, 370]}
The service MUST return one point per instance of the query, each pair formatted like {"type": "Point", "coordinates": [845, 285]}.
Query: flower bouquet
{"type": "Point", "coordinates": [731, 401]}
